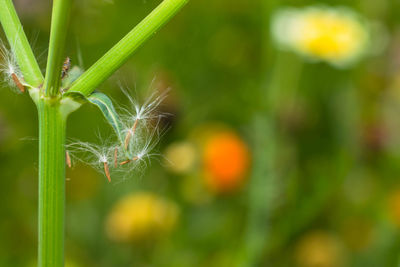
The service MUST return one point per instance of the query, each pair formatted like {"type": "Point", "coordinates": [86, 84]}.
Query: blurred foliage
{"type": "Point", "coordinates": [336, 143]}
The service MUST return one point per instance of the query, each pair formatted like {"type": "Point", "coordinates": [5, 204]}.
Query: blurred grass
{"type": "Point", "coordinates": [338, 150]}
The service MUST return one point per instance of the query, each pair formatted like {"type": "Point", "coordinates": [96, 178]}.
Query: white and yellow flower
{"type": "Point", "coordinates": [338, 35]}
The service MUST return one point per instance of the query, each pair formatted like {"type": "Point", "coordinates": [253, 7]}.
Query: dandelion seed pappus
{"type": "Point", "coordinates": [125, 162]}
{"type": "Point", "coordinates": [130, 151]}
{"type": "Point", "coordinates": [127, 139]}
{"type": "Point", "coordinates": [107, 172]}
{"type": "Point", "coordinates": [68, 159]}
{"type": "Point", "coordinates": [9, 68]}
{"type": "Point", "coordinates": [135, 158]}
{"type": "Point", "coordinates": [130, 133]}
{"type": "Point", "coordinates": [18, 83]}
{"type": "Point", "coordinates": [116, 157]}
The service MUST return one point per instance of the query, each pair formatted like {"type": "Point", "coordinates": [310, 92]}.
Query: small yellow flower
{"type": "Point", "coordinates": [335, 35]}
{"type": "Point", "coordinates": [319, 248]}
{"type": "Point", "coordinates": [181, 157]}
{"type": "Point", "coordinates": [140, 216]}
{"type": "Point", "coordinates": [393, 206]}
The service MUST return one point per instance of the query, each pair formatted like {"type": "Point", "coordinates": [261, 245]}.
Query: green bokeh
{"type": "Point", "coordinates": [338, 142]}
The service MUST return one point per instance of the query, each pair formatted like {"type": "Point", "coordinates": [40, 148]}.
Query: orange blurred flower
{"type": "Point", "coordinates": [226, 160]}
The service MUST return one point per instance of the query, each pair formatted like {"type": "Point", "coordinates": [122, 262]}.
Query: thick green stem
{"type": "Point", "coordinates": [52, 108]}
{"type": "Point", "coordinates": [52, 126]}
{"type": "Point", "coordinates": [120, 53]}
{"type": "Point", "coordinates": [58, 33]}
{"type": "Point", "coordinates": [19, 44]}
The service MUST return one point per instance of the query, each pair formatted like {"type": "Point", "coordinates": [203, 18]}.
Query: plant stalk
{"type": "Point", "coordinates": [58, 33]}
{"type": "Point", "coordinates": [120, 53]}
{"type": "Point", "coordinates": [19, 44]}
{"type": "Point", "coordinates": [53, 109]}
{"type": "Point", "coordinates": [278, 84]}
{"type": "Point", "coordinates": [52, 127]}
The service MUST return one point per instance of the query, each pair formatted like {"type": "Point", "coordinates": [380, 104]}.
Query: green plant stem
{"type": "Point", "coordinates": [52, 125]}
{"type": "Point", "coordinates": [53, 110]}
{"type": "Point", "coordinates": [261, 190]}
{"type": "Point", "coordinates": [19, 44]}
{"type": "Point", "coordinates": [120, 53]}
{"type": "Point", "coordinates": [58, 33]}
{"type": "Point", "coordinates": [279, 78]}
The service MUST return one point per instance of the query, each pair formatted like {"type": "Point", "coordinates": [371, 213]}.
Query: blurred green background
{"type": "Point", "coordinates": [310, 180]}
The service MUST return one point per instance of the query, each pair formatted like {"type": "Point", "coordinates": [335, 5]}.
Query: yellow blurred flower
{"type": "Point", "coordinates": [141, 216]}
{"type": "Point", "coordinates": [336, 35]}
{"type": "Point", "coordinates": [319, 249]}
{"type": "Point", "coordinates": [358, 233]}
{"type": "Point", "coordinates": [393, 205]}
{"type": "Point", "coordinates": [181, 157]}
{"type": "Point", "coordinates": [68, 263]}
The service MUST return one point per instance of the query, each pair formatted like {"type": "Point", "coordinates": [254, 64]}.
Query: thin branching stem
{"type": "Point", "coordinates": [120, 53]}
{"type": "Point", "coordinates": [53, 108]}
{"type": "Point", "coordinates": [19, 44]}
{"type": "Point", "coordinates": [58, 33]}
